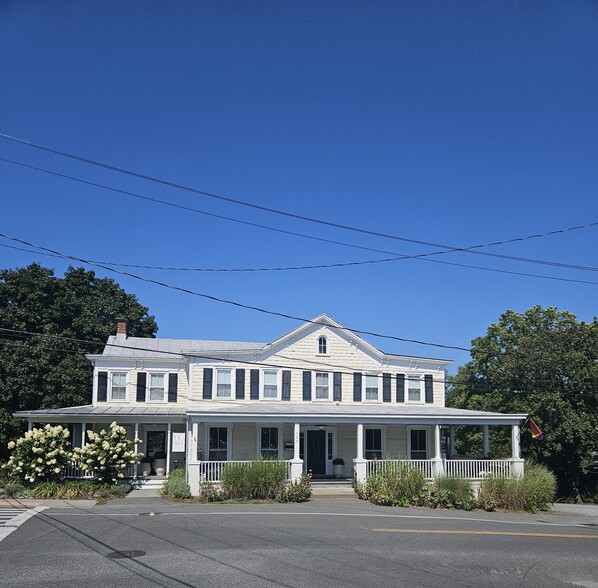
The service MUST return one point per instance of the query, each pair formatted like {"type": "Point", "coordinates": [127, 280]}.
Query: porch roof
{"type": "Point", "coordinates": [105, 412]}
{"type": "Point", "coordinates": [338, 413]}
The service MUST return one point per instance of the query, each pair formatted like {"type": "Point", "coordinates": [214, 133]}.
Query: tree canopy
{"type": "Point", "coordinates": [543, 362]}
{"type": "Point", "coordinates": [38, 372]}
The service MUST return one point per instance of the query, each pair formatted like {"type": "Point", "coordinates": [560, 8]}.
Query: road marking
{"type": "Point", "coordinates": [465, 532]}
{"type": "Point", "coordinates": [12, 518]}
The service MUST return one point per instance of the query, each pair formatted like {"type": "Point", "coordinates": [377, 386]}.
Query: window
{"type": "Point", "coordinates": [270, 384]}
{"type": "Point", "coordinates": [414, 388]}
{"type": "Point", "coordinates": [322, 386]}
{"type": "Point", "coordinates": [223, 383]}
{"type": "Point", "coordinates": [156, 387]}
{"type": "Point", "coordinates": [322, 346]}
{"type": "Point", "coordinates": [373, 443]}
{"type": "Point", "coordinates": [218, 444]}
{"type": "Point", "coordinates": [418, 444]}
{"type": "Point", "coordinates": [118, 388]}
{"type": "Point", "coordinates": [269, 442]}
{"type": "Point", "coordinates": [371, 387]}
{"type": "Point", "coordinates": [330, 445]}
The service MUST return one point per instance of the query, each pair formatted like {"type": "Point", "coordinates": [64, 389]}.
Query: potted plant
{"type": "Point", "coordinates": [145, 466]}
{"type": "Point", "coordinates": [159, 463]}
{"type": "Point", "coordinates": [338, 464]}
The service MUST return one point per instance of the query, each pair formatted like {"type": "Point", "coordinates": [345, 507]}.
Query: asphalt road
{"type": "Point", "coordinates": [322, 543]}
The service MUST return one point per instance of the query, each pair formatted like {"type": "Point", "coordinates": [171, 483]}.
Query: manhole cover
{"type": "Point", "coordinates": [128, 554]}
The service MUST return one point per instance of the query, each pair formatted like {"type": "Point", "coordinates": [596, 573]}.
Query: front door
{"type": "Point", "coordinates": [156, 443]}
{"type": "Point", "coordinates": [316, 452]}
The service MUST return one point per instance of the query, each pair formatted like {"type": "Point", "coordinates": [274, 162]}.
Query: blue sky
{"type": "Point", "coordinates": [457, 123]}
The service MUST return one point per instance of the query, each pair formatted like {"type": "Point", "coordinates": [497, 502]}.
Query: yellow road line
{"type": "Point", "coordinates": [464, 532]}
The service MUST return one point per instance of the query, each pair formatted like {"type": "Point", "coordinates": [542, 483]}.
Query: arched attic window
{"type": "Point", "coordinates": [322, 346]}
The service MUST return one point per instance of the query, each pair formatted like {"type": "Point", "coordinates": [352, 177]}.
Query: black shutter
{"type": "Point", "coordinates": [428, 388]}
{"type": "Point", "coordinates": [102, 386]}
{"type": "Point", "coordinates": [240, 384]}
{"type": "Point", "coordinates": [338, 387]}
{"type": "Point", "coordinates": [141, 381]}
{"type": "Point", "coordinates": [173, 380]}
{"type": "Point", "coordinates": [286, 385]}
{"type": "Point", "coordinates": [400, 387]}
{"type": "Point", "coordinates": [207, 383]}
{"type": "Point", "coordinates": [356, 387]}
{"type": "Point", "coordinates": [306, 385]}
{"type": "Point", "coordinates": [386, 387]}
{"type": "Point", "coordinates": [254, 384]}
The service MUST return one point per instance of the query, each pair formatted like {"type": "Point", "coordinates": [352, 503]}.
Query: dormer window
{"type": "Point", "coordinates": [322, 346]}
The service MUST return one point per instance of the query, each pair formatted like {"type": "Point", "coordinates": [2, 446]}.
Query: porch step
{"type": "Point", "coordinates": [330, 488]}
{"type": "Point", "coordinates": [153, 482]}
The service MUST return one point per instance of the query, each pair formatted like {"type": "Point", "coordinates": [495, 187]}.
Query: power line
{"type": "Point", "coordinates": [298, 268]}
{"type": "Point", "coordinates": [212, 358]}
{"type": "Point", "coordinates": [229, 302]}
{"type": "Point", "coordinates": [450, 248]}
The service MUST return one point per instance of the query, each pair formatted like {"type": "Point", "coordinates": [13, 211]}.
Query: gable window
{"type": "Point", "coordinates": [373, 443]}
{"type": "Point", "coordinates": [322, 386]}
{"type": "Point", "coordinates": [118, 386]}
{"type": "Point", "coordinates": [371, 387]}
{"type": "Point", "coordinates": [270, 389]}
{"type": "Point", "coordinates": [218, 444]}
{"type": "Point", "coordinates": [224, 383]}
{"type": "Point", "coordinates": [156, 387]}
{"type": "Point", "coordinates": [414, 388]}
{"type": "Point", "coordinates": [322, 346]}
{"type": "Point", "coordinates": [269, 442]}
{"type": "Point", "coordinates": [418, 445]}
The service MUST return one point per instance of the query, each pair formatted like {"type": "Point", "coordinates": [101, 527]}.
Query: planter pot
{"type": "Point", "coordinates": [159, 466]}
{"type": "Point", "coordinates": [144, 469]}
{"type": "Point", "coordinates": [338, 471]}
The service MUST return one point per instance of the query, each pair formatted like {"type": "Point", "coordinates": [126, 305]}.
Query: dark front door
{"type": "Point", "coordinates": [156, 443]}
{"type": "Point", "coordinates": [316, 452]}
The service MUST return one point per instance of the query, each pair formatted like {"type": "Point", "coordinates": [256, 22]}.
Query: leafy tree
{"type": "Point", "coordinates": [545, 363]}
{"type": "Point", "coordinates": [37, 372]}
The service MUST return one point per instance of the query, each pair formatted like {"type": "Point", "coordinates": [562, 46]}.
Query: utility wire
{"type": "Point", "coordinates": [212, 358]}
{"type": "Point", "coordinates": [304, 267]}
{"type": "Point", "coordinates": [471, 249]}
{"type": "Point", "coordinates": [229, 302]}
{"type": "Point", "coordinates": [399, 256]}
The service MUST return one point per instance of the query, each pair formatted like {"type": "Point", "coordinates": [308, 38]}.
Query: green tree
{"type": "Point", "coordinates": [37, 372]}
{"type": "Point", "coordinates": [545, 363]}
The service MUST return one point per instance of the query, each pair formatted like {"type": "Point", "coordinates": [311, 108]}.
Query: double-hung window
{"type": "Point", "coordinates": [373, 443]}
{"type": "Point", "coordinates": [156, 387]}
{"type": "Point", "coordinates": [118, 386]}
{"type": "Point", "coordinates": [418, 445]}
{"type": "Point", "coordinates": [218, 444]}
{"type": "Point", "coordinates": [322, 386]}
{"type": "Point", "coordinates": [371, 387]}
{"type": "Point", "coordinates": [224, 383]}
{"type": "Point", "coordinates": [269, 442]}
{"type": "Point", "coordinates": [270, 390]}
{"type": "Point", "coordinates": [414, 388]}
{"type": "Point", "coordinates": [322, 346]}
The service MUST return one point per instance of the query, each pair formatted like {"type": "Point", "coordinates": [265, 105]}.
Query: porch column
{"type": "Point", "coordinates": [136, 433]}
{"type": "Point", "coordinates": [296, 462]}
{"type": "Point", "coordinates": [359, 463]}
{"type": "Point", "coordinates": [438, 465]}
{"type": "Point", "coordinates": [486, 440]}
{"type": "Point", "coordinates": [517, 462]}
{"type": "Point", "coordinates": [29, 426]}
{"type": "Point", "coordinates": [168, 435]}
{"type": "Point", "coordinates": [452, 440]}
{"type": "Point", "coordinates": [83, 427]}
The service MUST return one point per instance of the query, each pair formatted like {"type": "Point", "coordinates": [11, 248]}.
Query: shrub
{"type": "Point", "coordinates": [533, 491]}
{"type": "Point", "coordinates": [209, 492]}
{"type": "Point", "coordinates": [299, 491]}
{"type": "Point", "coordinates": [40, 454]}
{"type": "Point", "coordinates": [396, 485]}
{"type": "Point", "coordinates": [108, 453]}
{"type": "Point", "coordinates": [258, 480]}
{"type": "Point", "coordinates": [176, 485]}
{"type": "Point", "coordinates": [451, 492]}
{"type": "Point", "coordinates": [14, 490]}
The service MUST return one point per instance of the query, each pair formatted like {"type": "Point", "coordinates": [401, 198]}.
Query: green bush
{"type": "Point", "coordinates": [396, 485]}
{"type": "Point", "coordinates": [79, 489]}
{"type": "Point", "coordinates": [176, 485]}
{"type": "Point", "coordinates": [299, 491]}
{"type": "Point", "coordinates": [451, 492]}
{"type": "Point", "coordinates": [533, 491]}
{"type": "Point", "coordinates": [209, 492]}
{"type": "Point", "coordinates": [14, 490]}
{"type": "Point", "coordinates": [258, 480]}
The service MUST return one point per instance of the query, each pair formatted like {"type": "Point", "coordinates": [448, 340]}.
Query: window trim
{"type": "Point", "coordinates": [364, 398]}
{"type": "Point", "coordinates": [229, 440]}
{"type": "Point", "coordinates": [233, 380]}
{"type": "Point", "coordinates": [258, 443]}
{"type": "Point", "coordinates": [418, 428]}
{"type": "Point", "coordinates": [422, 399]}
{"type": "Point", "coordinates": [278, 384]}
{"type": "Point", "coordinates": [382, 430]}
{"type": "Point", "coordinates": [149, 400]}
{"type": "Point", "coordinates": [322, 339]}
{"type": "Point", "coordinates": [314, 386]}
{"type": "Point", "coordinates": [110, 384]}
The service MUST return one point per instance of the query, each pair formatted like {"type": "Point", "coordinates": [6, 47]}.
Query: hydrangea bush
{"type": "Point", "coordinates": [108, 453]}
{"type": "Point", "coordinates": [40, 454]}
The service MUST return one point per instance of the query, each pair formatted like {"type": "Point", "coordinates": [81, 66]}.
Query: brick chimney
{"type": "Point", "coordinates": [121, 328]}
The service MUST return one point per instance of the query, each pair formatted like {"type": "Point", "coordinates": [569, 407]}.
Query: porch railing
{"type": "Point", "coordinates": [211, 471]}
{"type": "Point", "coordinates": [381, 466]}
{"type": "Point", "coordinates": [76, 472]}
{"type": "Point", "coordinates": [476, 469]}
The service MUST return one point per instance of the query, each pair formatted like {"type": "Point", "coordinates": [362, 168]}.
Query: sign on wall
{"type": "Point", "coordinates": [178, 442]}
